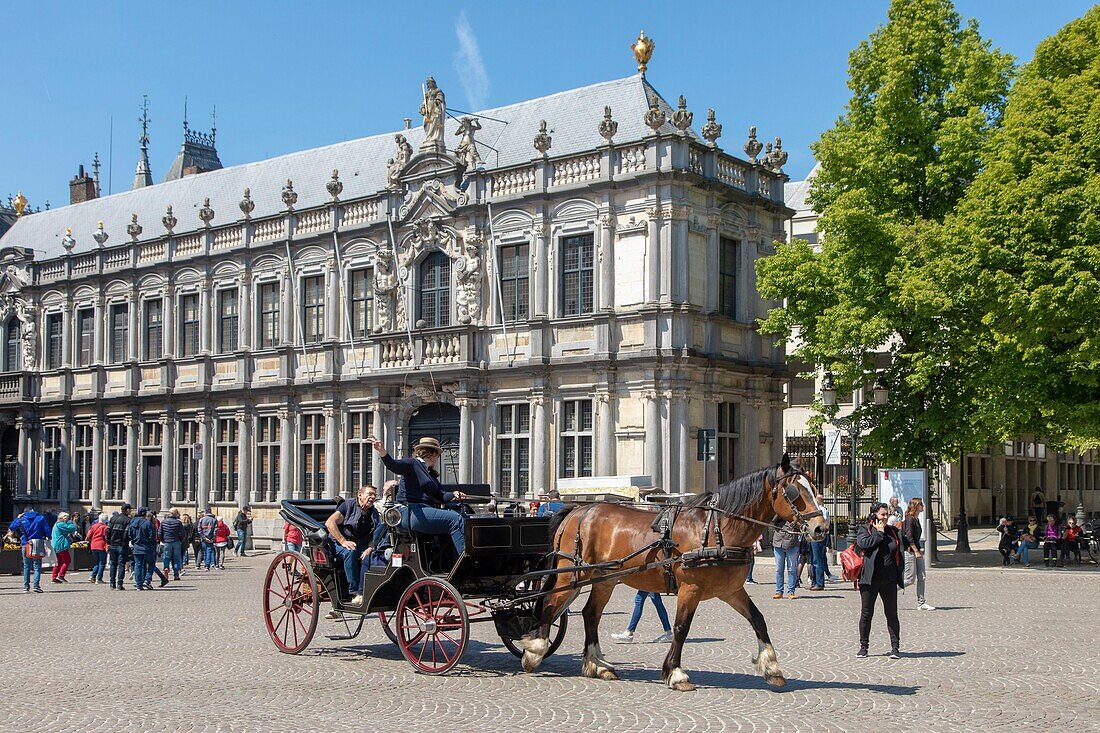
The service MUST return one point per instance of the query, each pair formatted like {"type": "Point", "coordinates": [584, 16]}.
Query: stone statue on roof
{"type": "Point", "coordinates": [466, 151]}
{"type": "Point", "coordinates": [434, 111]}
{"type": "Point", "coordinates": [399, 161]}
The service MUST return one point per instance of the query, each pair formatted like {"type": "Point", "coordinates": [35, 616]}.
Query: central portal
{"type": "Point", "coordinates": [441, 421]}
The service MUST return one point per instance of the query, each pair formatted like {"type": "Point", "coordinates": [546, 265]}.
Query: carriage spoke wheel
{"type": "Point", "coordinates": [387, 625]}
{"type": "Point", "coordinates": [432, 625]}
{"type": "Point", "coordinates": [290, 602]}
{"type": "Point", "coordinates": [558, 627]}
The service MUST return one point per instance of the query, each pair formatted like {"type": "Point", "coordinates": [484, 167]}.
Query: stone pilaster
{"type": "Point", "coordinates": [605, 255]}
{"type": "Point", "coordinates": [133, 425]}
{"type": "Point", "coordinates": [653, 438]}
{"type": "Point", "coordinates": [286, 456]}
{"type": "Point", "coordinates": [244, 420]}
{"type": "Point", "coordinates": [334, 478]}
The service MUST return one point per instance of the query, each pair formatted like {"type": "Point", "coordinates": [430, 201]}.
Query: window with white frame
{"type": "Point", "coordinates": [187, 464]}
{"type": "Point", "coordinates": [268, 437]}
{"type": "Point", "coordinates": [313, 456]}
{"type": "Point", "coordinates": [228, 321]}
{"type": "Point", "coordinates": [575, 431]}
{"type": "Point", "coordinates": [514, 450]}
{"type": "Point", "coordinates": [435, 290]}
{"type": "Point", "coordinates": [514, 289]}
{"type": "Point", "coordinates": [120, 332]}
{"type": "Point", "coordinates": [360, 428]}
{"type": "Point", "coordinates": [82, 460]}
{"type": "Point", "coordinates": [362, 302]}
{"type": "Point", "coordinates": [269, 315]}
{"type": "Point", "coordinates": [313, 309]}
{"type": "Point", "coordinates": [116, 460]}
{"type": "Point", "coordinates": [51, 454]}
{"type": "Point", "coordinates": [153, 310]}
{"type": "Point", "coordinates": [54, 340]}
{"type": "Point", "coordinates": [577, 272]}
{"type": "Point", "coordinates": [728, 433]}
{"type": "Point", "coordinates": [189, 325]}
{"type": "Point", "coordinates": [228, 460]}
{"type": "Point", "coordinates": [85, 344]}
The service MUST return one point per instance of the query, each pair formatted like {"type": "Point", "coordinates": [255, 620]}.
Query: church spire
{"type": "Point", "coordinates": [143, 176]}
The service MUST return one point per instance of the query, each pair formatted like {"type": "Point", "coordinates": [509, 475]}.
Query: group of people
{"type": "Point", "coordinates": [1059, 541]}
{"type": "Point", "coordinates": [126, 543]}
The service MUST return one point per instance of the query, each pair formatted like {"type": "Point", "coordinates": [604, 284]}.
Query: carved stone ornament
{"type": "Point", "coordinates": [654, 116]}
{"type": "Point", "coordinates": [28, 319]}
{"type": "Point", "coordinates": [67, 241]}
{"type": "Point", "coordinates": [206, 213]}
{"type": "Point", "coordinates": [434, 111]}
{"type": "Point", "coordinates": [247, 204]}
{"type": "Point", "coordinates": [397, 163]}
{"type": "Point", "coordinates": [466, 152]}
{"type": "Point", "coordinates": [752, 145]}
{"type": "Point", "coordinates": [607, 127]}
{"type": "Point", "coordinates": [335, 186]}
{"type": "Point", "coordinates": [711, 130]}
{"type": "Point", "coordinates": [100, 236]}
{"type": "Point", "coordinates": [542, 139]}
{"type": "Point", "coordinates": [169, 220]}
{"type": "Point", "coordinates": [681, 118]}
{"type": "Point", "coordinates": [468, 276]}
{"type": "Point", "coordinates": [290, 196]}
{"type": "Point", "coordinates": [776, 157]}
{"type": "Point", "coordinates": [385, 286]}
{"type": "Point", "coordinates": [133, 228]}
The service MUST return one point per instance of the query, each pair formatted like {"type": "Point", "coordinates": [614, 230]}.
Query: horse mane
{"type": "Point", "coordinates": [743, 491]}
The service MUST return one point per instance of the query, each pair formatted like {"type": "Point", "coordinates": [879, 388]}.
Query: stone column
{"type": "Point", "coordinates": [245, 313]}
{"type": "Point", "coordinates": [653, 255]}
{"type": "Point", "coordinates": [169, 325]}
{"type": "Point", "coordinates": [24, 474]}
{"type": "Point", "coordinates": [286, 309]}
{"type": "Point", "coordinates": [97, 461]}
{"type": "Point", "coordinates": [130, 484]}
{"type": "Point", "coordinates": [205, 318]}
{"type": "Point", "coordinates": [67, 334]}
{"type": "Point", "coordinates": [132, 303]}
{"type": "Point", "coordinates": [541, 478]}
{"type": "Point", "coordinates": [605, 426]}
{"type": "Point", "coordinates": [66, 477]}
{"type": "Point", "coordinates": [653, 438]}
{"type": "Point", "coordinates": [169, 487]}
{"type": "Point", "coordinates": [333, 476]}
{"type": "Point", "coordinates": [332, 307]}
{"type": "Point", "coordinates": [606, 257]}
{"type": "Point", "coordinates": [100, 340]}
{"type": "Point", "coordinates": [465, 439]}
{"type": "Point", "coordinates": [750, 432]}
{"type": "Point", "coordinates": [378, 427]}
{"type": "Point", "coordinates": [540, 293]}
{"type": "Point", "coordinates": [286, 459]}
{"type": "Point", "coordinates": [680, 437]}
{"type": "Point", "coordinates": [204, 466]}
{"type": "Point", "coordinates": [244, 457]}
{"type": "Point", "coordinates": [479, 425]}
{"type": "Point", "coordinates": [711, 302]}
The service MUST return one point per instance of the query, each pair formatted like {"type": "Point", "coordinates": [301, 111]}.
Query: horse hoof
{"type": "Point", "coordinates": [608, 674]}
{"type": "Point", "coordinates": [530, 662]}
{"type": "Point", "coordinates": [777, 680]}
{"type": "Point", "coordinates": [684, 687]}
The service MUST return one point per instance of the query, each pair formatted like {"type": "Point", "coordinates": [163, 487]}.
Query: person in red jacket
{"type": "Point", "coordinates": [221, 540]}
{"type": "Point", "coordinates": [292, 538]}
{"type": "Point", "coordinates": [97, 543]}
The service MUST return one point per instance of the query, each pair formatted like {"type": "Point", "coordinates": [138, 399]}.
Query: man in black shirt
{"type": "Point", "coordinates": [118, 543]}
{"type": "Point", "coordinates": [352, 527]}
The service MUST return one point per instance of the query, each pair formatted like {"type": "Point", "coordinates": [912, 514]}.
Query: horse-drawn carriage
{"type": "Point", "coordinates": [424, 597]}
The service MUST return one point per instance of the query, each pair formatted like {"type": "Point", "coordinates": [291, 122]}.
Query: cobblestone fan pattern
{"type": "Point", "coordinates": [1014, 645]}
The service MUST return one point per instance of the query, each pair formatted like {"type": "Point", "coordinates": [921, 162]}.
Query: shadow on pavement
{"type": "Point", "coordinates": [739, 681]}
{"type": "Point", "coordinates": [932, 654]}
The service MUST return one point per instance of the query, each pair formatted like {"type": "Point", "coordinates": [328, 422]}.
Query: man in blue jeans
{"type": "Point", "coordinates": [819, 564]}
{"type": "Point", "coordinates": [171, 532]}
{"type": "Point", "coordinates": [31, 526]}
{"type": "Point", "coordinates": [785, 541]}
{"type": "Point", "coordinates": [118, 543]}
{"type": "Point", "coordinates": [352, 527]}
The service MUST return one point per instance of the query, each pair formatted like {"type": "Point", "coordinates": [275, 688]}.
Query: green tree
{"type": "Point", "coordinates": [1026, 248]}
{"type": "Point", "coordinates": [927, 91]}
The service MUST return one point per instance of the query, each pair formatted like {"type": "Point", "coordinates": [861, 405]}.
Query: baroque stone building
{"type": "Point", "coordinates": [558, 288]}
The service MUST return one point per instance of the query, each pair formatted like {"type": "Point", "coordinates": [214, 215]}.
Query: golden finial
{"type": "Point", "coordinates": [643, 51]}
{"type": "Point", "coordinates": [19, 203]}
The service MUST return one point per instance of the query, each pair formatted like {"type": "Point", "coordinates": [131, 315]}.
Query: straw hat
{"type": "Point", "coordinates": [428, 443]}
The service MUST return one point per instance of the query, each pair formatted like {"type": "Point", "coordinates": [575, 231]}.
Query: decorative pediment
{"type": "Point", "coordinates": [434, 199]}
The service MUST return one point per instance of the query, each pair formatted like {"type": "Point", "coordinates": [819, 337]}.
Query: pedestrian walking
{"type": "Point", "coordinates": [208, 528]}
{"type": "Point", "coordinates": [34, 535]}
{"type": "Point", "coordinates": [914, 551]}
{"type": "Point", "coordinates": [242, 525]}
{"type": "Point", "coordinates": [639, 604]}
{"type": "Point", "coordinates": [757, 547]}
{"type": "Point", "coordinates": [785, 542]}
{"type": "Point", "coordinates": [188, 538]}
{"type": "Point", "coordinates": [819, 564]}
{"type": "Point", "coordinates": [97, 543]}
{"type": "Point", "coordinates": [63, 536]}
{"type": "Point", "coordinates": [881, 576]}
{"type": "Point", "coordinates": [171, 533]}
{"type": "Point", "coordinates": [292, 538]}
{"type": "Point", "coordinates": [143, 544]}
{"type": "Point", "coordinates": [118, 544]}
{"type": "Point", "coordinates": [221, 541]}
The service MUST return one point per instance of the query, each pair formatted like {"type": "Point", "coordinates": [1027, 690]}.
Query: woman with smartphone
{"type": "Point", "coordinates": [881, 546]}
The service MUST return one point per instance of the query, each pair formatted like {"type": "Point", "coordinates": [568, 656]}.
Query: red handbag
{"type": "Point", "coordinates": [851, 564]}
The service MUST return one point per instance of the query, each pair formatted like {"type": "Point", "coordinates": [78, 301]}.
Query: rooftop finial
{"type": "Point", "coordinates": [643, 51]}
{"type": "Point", "coordinates": [213, 124]}
{"type": "Point", "coordinates": [143, 175]}
{"type": "Point", "coordinates": [19, 203]}
{"type": "Point", "coordinates": [185, 114]}
{"type": "Point", "coordinates": [95, 172]}
{"type": "Point", "coordinates": [145, 121]}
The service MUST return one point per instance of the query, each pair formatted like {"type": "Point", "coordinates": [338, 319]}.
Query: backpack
{"type": "Point", "coordinates": [851, 562]}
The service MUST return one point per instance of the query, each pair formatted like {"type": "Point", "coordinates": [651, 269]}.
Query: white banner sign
{"type": "Point", "coordinates": [832, 447]}
{"type": "Point", "coordinates": [906, 484]}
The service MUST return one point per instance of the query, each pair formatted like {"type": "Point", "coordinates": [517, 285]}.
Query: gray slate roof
{"type": "Point", "coordinates": [795, 193]}
{"type": "Point", "coordinates": [572, 118]}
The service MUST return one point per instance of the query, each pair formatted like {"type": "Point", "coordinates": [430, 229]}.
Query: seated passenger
{"type": "Point", "coordinates": [422, 493]}
{"type": "Point", "coordinates": [352, 527]}
{"type": "Point", "coordinates": [552, 504]}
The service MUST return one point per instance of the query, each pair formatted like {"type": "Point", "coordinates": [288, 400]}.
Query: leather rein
{"type": "Point", "coordinates": [801, 520]}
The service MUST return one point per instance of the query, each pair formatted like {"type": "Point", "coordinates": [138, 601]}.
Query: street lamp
{"type": "Point", "coordinates": [856, 423]}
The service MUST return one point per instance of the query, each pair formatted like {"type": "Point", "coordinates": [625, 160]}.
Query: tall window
{"type": "Point", "coordinates": [51, 449]}
{"type": "Point", "coordinates": [513, 450]}
{"type": "Point", "coordinates": [54, 337]}
{"type": "Point", "coordinates": [228, 460]}
{"type": "Point", "coordinates": [513, 281]}
{"type": "Point", "coordinates": [360, 427]}
{"type": "Point", "coordinates": [11, 345]}
{"type": "Point", "coordinates": [85, 324]}
{"type": "Point", "coordinates": [116, 460]}
{"type": "Point", "coordinates": [313, 456]}
{"type": "Point", "coordinates": [152, 433]}
{"type": "Point", "coordinates": [187, 466]}
{"type": "Point", "coordinates": [268, 434]}
{"type": "Point", "coordinates": [154, 329]}
{"type": "Point", "coordinates": [727, 277]}
{"type": "Point", "coordinates": [82, 460]}
{"type": "Point", "coordinates": [189, 325]}
{"type": "Point", "coordinates": [269, 315]}
{"type": "Point", "coordinates": [362, 299]}
{"type": "Point", "coordinates": [120, 332]}
{"type": "Point", "coordinates": [576, 275]}
{"type": "Point", "coordinates": [435, 290]}
{"type": "Point", "coordinates": [728, 434]}
{"type": "Point", "coordinates": [576, 438]}
{"type": "Point", "coordinates": [228, 320]}
{"type": "Point", "coordinates": [313, 309]}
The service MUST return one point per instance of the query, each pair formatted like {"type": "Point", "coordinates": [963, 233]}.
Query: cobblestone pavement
{"type": "Point", "coordinates": [1007, 646]}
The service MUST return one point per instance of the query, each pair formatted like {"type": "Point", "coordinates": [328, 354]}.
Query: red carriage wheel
{"type": "Point", "coordinates": [387, 625]}
{"type": "Point", "coordinates": [432, 625]}
{"type": "Point", "coordinates": [290, 602]}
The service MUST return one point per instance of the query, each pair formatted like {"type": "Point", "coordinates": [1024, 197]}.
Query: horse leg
{"type": "Point", "coordinates": [687, 600]}
{"type": "Point", "coordinates": [594, 664]}
{"type": "Point", "coordinates": [765, 659]}
{"type": "Point", "coordinates": [536, 644]}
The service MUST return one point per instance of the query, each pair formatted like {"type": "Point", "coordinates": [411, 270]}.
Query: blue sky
{"type": "Point", "coordinates": [290, 76]}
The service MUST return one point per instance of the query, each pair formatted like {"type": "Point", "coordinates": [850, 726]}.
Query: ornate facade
{"type": "Point", "coordinates": [569, 291]}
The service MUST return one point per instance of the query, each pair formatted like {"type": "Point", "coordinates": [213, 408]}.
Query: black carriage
{"type": "Point", "coordinates": [424, 597]}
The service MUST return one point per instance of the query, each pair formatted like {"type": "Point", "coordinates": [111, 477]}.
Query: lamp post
{"type": "Point", "coordinates": [855, 424]}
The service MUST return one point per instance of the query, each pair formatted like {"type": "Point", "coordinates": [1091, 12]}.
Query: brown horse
{"type": "Point", "coordinates": [601, 533]}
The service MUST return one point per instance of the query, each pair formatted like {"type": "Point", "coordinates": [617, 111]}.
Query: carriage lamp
{"type": "Point", "coordinates": [828, 390]}
{"type": "Point", "coordinates": [881, 390]}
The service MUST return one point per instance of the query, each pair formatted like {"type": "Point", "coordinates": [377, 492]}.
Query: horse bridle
{"type": "Point", "coordinates": [802, 519]}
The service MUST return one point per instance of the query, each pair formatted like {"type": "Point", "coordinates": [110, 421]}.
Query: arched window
{"type": "Point", "coordinates": [11, 345]}
{"type": "Point", "coordinates": [435, 290]}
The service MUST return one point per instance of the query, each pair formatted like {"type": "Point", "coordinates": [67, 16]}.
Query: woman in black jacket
{"type": "Point", "coordinates": [881, 546]}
